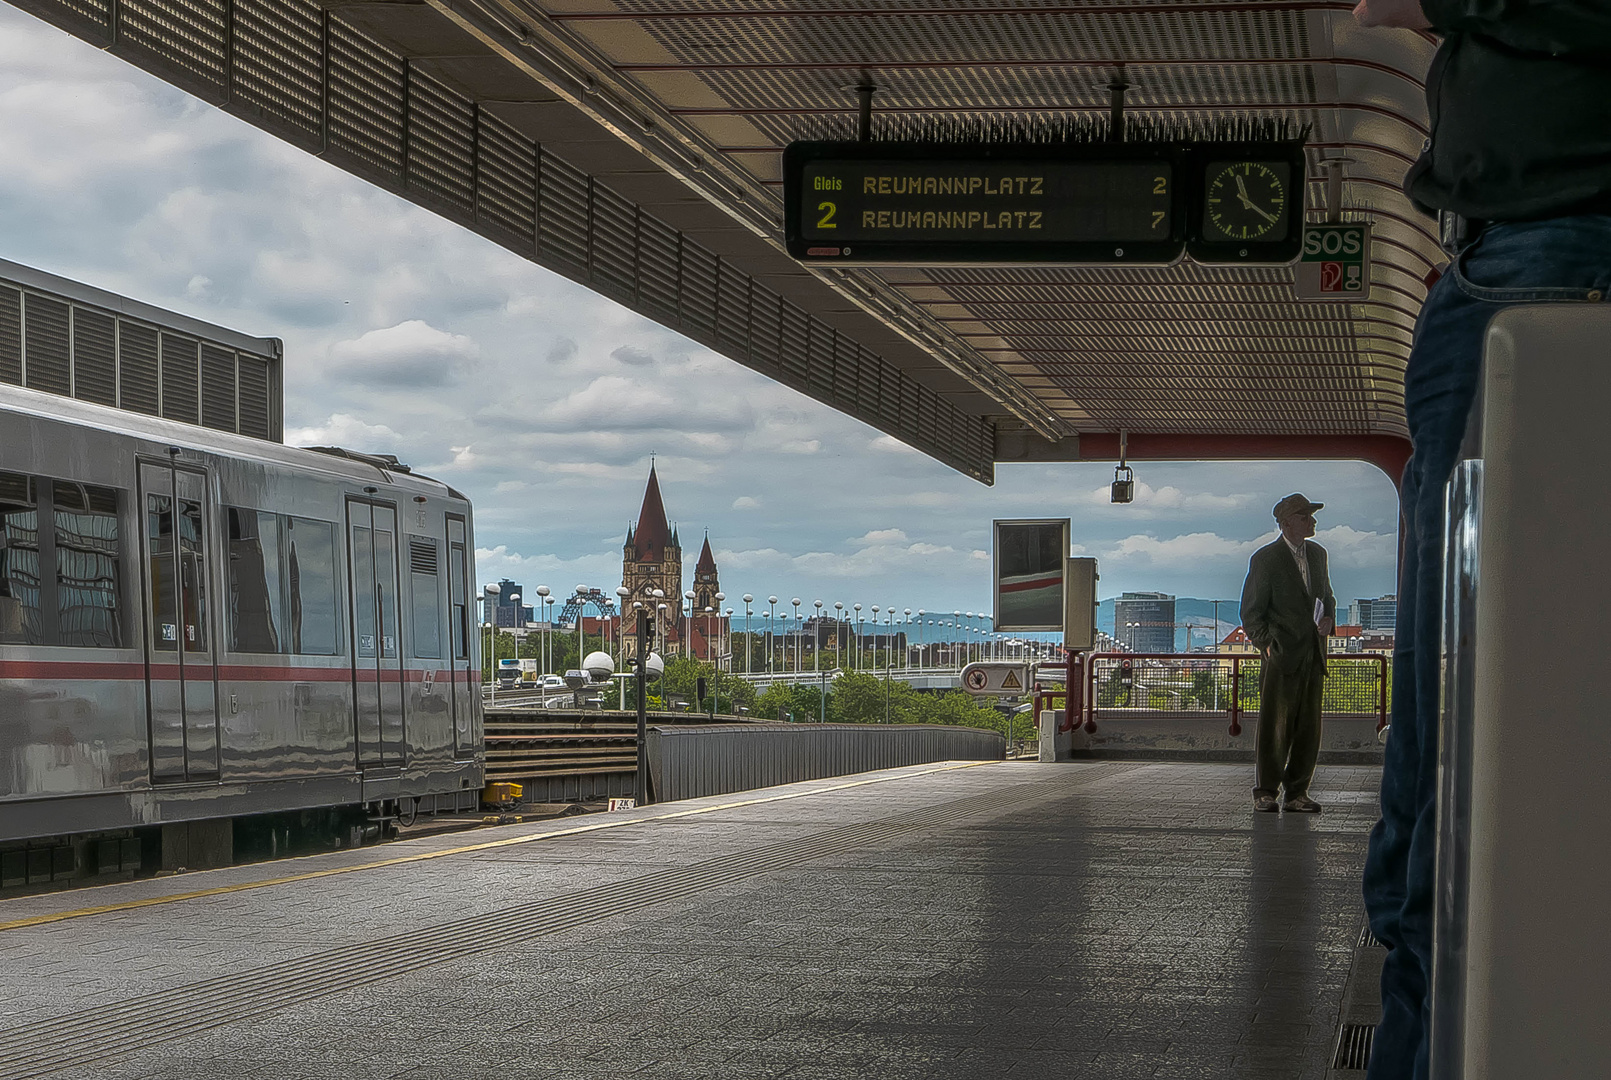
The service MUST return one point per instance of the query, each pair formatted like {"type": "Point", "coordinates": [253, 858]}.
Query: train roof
{"type": "Point", "coordinates": [335, 461]}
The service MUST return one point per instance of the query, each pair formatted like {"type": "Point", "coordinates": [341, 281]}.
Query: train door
{"type": "Point", "coordinates": [183, 701]}
{"type": "Point", "coordinates": [459, 614]}
{"type": "Point", "coordinates": [377, 656]}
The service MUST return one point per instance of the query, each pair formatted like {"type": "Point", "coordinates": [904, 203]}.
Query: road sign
{"type": "Point", "coordinates": [995, 677]}
{"type": "Point", "coordinates": [1335, 264]}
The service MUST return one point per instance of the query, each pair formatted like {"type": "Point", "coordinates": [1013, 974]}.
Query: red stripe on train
{"type": "Point", "coordinates": [1041, 583]}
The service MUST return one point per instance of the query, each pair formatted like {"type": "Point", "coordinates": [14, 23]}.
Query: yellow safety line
{"type": "Point", "coordinates": [62, 916]}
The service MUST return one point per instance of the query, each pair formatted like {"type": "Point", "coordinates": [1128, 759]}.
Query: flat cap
{"type": "Point", "coordinates": [1295, 504]}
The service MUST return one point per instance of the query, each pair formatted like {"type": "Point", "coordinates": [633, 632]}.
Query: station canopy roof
{"type": "Point", "coordinates": [635, 146]}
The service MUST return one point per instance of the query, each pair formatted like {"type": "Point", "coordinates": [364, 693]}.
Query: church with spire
{"type": "Point", "coordinates": [651, 559]}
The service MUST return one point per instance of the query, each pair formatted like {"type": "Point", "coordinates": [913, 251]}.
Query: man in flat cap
{"type": "Point", "coordinates": [1288, 611]}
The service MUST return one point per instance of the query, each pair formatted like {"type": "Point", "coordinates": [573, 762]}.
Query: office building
{"type": "Point", "coordinates": [1144, 622]}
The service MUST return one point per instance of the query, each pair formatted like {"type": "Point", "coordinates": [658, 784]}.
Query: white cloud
{"type": "Point", "coordinates": [880, 536]}
{"type": "Point", "coordinates": [746, 502]}
{"type": "Point", "coordinates": [410, 354]}
{"type": "Point", "coordinates": [345, 430]}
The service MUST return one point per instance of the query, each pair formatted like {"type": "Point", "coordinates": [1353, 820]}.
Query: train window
{"type": "Point", "coordinates": [423, 556]}
{"type": "Point", "coordinates": [164, 590]}
{"type": "Point", "coordinates": [88, 558]}
{"type": "Point", "coordinates": [386, 580]}
{"type": "Point", "coordinates": [312, 587]}
{"type": "Point", "coordinates": [460, 625]}
{"type": "Point", "coordinates": [19, 560]}
{"type": "Point", "coordinates": [256, 582]}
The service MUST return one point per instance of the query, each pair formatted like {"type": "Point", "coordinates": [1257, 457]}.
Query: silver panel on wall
{"type": "Point", "coordinates": [62, 337]}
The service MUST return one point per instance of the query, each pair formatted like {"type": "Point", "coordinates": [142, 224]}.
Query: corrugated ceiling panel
{"type": "Point", "coordinates": [507, 172]}
{"type": "Point", "coordinates": [366, 94]}
{"type": "Point", "coordinates": [277, 62]}
{"type": "Point", "coordinates": [441, 143]}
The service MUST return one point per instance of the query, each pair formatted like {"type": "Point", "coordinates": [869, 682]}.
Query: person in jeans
{"type": "Point", "coordinates": [1288, 611]}
{"type": "Point", "coordinates": [1518, 168]}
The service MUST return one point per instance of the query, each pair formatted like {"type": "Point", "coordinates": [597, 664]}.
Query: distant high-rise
{"type": "Point", "coordinates": [508, 614]}
{"type": "Point", "coordinates": [1145, 622]}
{"type": "Point", "coordinates": [1378, 614]}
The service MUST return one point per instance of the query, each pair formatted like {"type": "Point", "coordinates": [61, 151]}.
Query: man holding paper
{"type": "Point", "coordinates": [1288, 611]}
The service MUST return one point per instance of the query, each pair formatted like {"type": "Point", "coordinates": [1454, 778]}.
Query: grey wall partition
{"type": "Point", "coordinates": [1524, 881]}
{"type": "Point", "coordinates": [690, 762]}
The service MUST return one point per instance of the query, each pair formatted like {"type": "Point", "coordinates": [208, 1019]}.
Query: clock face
{"type": "Point", "coordinates": [1246, 200]}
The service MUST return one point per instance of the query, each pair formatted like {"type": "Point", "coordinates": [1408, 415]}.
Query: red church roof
{"type": "Point", "coordinates": [707, 561]}
{"type": "Point", "coordinates": [649, 539]}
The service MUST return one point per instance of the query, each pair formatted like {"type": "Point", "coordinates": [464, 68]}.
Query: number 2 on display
{"type": "Point", "coordinates": [826, 220]}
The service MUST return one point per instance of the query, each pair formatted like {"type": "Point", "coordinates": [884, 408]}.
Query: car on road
{"type": "Point", "coordinates": [550, 682]}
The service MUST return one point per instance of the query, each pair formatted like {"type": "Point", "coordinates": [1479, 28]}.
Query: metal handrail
{"type": "Point", "coordinates": [1235, 659]}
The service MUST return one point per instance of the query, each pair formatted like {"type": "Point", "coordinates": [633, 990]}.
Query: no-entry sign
{"type": "Point", "coordinates": [1335, 264]}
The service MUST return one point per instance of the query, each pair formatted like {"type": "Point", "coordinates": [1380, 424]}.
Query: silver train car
{"type": "Point", "coordinates": [198, 627]}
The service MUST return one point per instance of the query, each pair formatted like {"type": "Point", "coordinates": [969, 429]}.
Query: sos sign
{"type": "Point", "coordinates": [1335, 263]}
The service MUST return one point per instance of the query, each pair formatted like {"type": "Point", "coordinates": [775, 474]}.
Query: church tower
{"type": "Point", "coordinates": [652, 559]}
{"type": "Point", "coordinates": [706, 585]}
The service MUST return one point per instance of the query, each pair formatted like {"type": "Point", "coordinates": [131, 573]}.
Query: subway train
{"type": "Point", "coordinates": [203, 634]}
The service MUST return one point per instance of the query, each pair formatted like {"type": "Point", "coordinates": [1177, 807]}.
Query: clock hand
{"type": "Point", "coordinates": [1259, 210]}
{"type": "Point", "coordinates": [1241, 188]}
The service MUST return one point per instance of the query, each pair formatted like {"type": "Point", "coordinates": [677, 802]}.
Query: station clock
{"type": "Point", "coordinates": [1247, 206]}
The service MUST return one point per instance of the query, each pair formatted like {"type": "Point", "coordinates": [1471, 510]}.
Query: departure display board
{"type": "Point", "coordinates": [968, 205]}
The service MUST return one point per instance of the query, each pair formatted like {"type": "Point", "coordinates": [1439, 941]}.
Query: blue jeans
{"type": "Point", "coordinates": [1562, 259]}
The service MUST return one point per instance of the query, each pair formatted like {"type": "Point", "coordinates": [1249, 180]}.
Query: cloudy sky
{"type": "Point", "coordinates": [543, 402]}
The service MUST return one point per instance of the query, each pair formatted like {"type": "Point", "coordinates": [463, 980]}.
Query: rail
{"type": "Point", "coordinates": [1203, 686]}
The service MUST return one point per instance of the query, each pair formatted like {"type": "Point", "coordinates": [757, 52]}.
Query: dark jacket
{"type": "Point", "coordinates": [1520, 98]}
{"type": "Point", "coordinates": [1278, 611]}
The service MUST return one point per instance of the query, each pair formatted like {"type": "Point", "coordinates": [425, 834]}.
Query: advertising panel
{"type": "Point", "coordinates": [1029, 565]}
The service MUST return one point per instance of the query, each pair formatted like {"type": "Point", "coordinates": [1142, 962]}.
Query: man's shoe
{"type": "Point", "coordinates": [1265, 804]}
{"type": "Point", "coordinates": [1302, 805]}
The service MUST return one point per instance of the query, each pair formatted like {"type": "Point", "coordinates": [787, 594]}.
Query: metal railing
{"type": "Point", "coordinates": [1208, 686]}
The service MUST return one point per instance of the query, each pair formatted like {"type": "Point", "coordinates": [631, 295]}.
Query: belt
{"type": "Point", "coordinates": [1457, 232]}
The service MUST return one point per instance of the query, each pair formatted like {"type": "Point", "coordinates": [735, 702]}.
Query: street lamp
{"type": "Point", "coordinates": [542, 650]}
{"type": "Point", "coordinates": [772, 603]}
{"type": "Point", "coordinates": [816, 637]}
{"type": "Point", "coordinates": [581, 610]}
{"type": "Point", "coordinates": [921, 617]}
{"type": "Point", "coordinates": [875, 637]}
{"type": "Point", "coordinates": [749, 633]}
{"type": "Point", "coordinates": [489, 600]}
{"type": "Point", "coordinates": [858, 633]}
{"type": "Point", "coordinates": [688, 623]}
{"type": "Point", "coordinates": [906, 645]}
{"type": "Point", "coordinates": [796, 603]}
{"type": "Point", "coordinates": [838, 618]}
{"type": "Point", "coordinates": [622, 592]}
{"type": "Point", "coordinates": [766, 634]}
{"type": "Point", "coordinates": [514, 598]}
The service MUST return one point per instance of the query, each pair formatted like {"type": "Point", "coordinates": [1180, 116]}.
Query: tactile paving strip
{"type": "Point", "coordinates": [116, 1030]}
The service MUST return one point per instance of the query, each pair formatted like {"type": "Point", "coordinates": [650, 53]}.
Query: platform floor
{"type": "Point", "coordinates": [1106, 920]}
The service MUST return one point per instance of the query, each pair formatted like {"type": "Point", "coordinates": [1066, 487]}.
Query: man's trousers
{"type": "Point", "coordinates": [1289, 725]}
